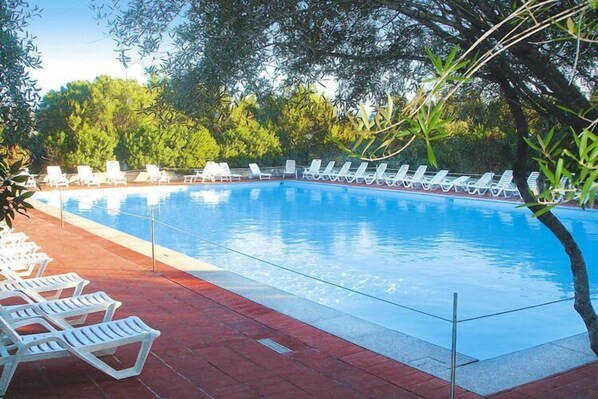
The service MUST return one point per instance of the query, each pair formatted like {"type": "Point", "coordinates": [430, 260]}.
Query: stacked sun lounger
{"type": "Point", "coordinates": [57, 304]}
{"type": "Point", "coordinates": [420, 179]}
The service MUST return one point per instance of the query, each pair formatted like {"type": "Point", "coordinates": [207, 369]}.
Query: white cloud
{"type": "Point", "coordinates": [58, 71]}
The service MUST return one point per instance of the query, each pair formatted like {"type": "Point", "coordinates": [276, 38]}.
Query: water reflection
{"type": "Point", "coordinates": [210, 197]}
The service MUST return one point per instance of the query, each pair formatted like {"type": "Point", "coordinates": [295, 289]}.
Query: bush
{"type": "Point", "coordinates": [173, 146]}
{"type": "Point", "coordinates": [242, 145]}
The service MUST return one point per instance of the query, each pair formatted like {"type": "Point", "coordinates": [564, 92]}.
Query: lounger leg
{"type": "Point", "coordinates": [124, 373]}
{"type": "Point", "coordinates": [78, 289]}
{"type": "Point", "coordinates": [7, 374]}
{"type": "Point", "coordinates": [42, 268]}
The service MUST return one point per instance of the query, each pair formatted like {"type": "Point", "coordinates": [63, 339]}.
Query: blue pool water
{"type": "Point", "coordinates": [409, 249]}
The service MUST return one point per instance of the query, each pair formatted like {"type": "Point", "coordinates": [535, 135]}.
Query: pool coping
{"type": "Point", "coordinates": [482, 377]}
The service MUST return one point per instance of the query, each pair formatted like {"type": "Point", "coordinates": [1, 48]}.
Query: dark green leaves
{"type": "Point", "coordinates": [13, 196]}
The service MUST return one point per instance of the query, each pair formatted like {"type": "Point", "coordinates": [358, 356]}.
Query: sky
{"type": "Point", "coordinates": [73, 46]}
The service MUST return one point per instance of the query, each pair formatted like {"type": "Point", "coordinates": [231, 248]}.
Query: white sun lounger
{"type": "Point", "coordinates": [397, 179]}
{"type": "Point", "coordinates": [86, 343]}
{"type": "Point", "coordinates": [114, 174]}
{"type": "Point", "coordinates": [51, 286]}
{"type": "Point", "coordinates": [325, 174]}
{"type": "Point", "coordinates": [359, 174]}
{"type": "Point", "coordinates": [23, 248]}
{"type": "Point", "coordinates": [25, 264]}
{"type": "Point", "coordinates": [155, 175]}
{"type": "Point", "coordinates": [379, 176]}
{"type": "Point", "coordinates": [432, 183]}
{"type": "Point", "coordinates": [86, 176]}
{"type": "Point", "coordinates": [504, 186]}
{"type": "Point", "coordinates": [226, 174]}
{"type": "Point", "coordinates": [418, 176]}
{"type": "Point", "coordinates": [210, 171]}
{"type": "Point", "coordinates": [12, 238]}
{"type": "Point", "coordinates": [55, 177]}
{"type": "Point", "coordinates": [482, 185]}
{"type": "Point", "coordinates": [342, 173]}
{"type": "Point", "coordinates": [290, 168]}
{"type": "Point", "coordinates": [65, 312]}
{"type": "Point", "coordinates": [256, 172]}
{"type": "Point", "coordinates": [459, 184]}
{"type": "Point", "coordinates": [314, 168]}
{"type": "Point", "coordinates": [532, 183]}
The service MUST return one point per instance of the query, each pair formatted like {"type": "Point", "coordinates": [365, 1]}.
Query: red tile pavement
{"type": "Point", "coordinates": [208, 347]}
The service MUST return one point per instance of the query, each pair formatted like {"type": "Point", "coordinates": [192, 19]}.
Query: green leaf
{"type": "Point", "coordinates": [545, 209]}
{"type": "Point", "coordinates": [547, 172]}
{"type": "Point", "coordinates": [431, 155]}
{"type": "Point", "coordinates": [571, 26]}
{"type": "Point", "coordinates": [531, 144]}
{"type": "Point", "coordinates": [24, 196]}
{"type": "Point", "coordinates": [364, 116]}
{"type": "Point", "coordinates": [559, 170]}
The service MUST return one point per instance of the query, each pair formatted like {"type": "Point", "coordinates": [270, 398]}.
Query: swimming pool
{"type": "Point", "coordinates": [409, 249]}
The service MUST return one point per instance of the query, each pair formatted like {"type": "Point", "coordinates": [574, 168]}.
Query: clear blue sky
{"type": "Point", "coordinates": [73, 46]}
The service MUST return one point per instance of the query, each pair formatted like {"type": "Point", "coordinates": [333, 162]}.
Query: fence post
{"type": "Point", "coordinates": [454, 347]}
{"type": "Point", "coordinates": [61, 216]}
{"type": "Point", "coordinates": [153, 239]}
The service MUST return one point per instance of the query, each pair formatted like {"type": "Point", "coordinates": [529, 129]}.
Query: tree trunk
{"type": "Point", "coordinates": [581, 283]}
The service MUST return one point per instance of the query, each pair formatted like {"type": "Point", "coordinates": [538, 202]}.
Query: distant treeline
{"type": "Point", "coordinates": [92, 122]}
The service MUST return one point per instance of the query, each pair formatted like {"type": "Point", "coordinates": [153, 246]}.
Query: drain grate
{"type": "Point", "coordinates": [275, 346]}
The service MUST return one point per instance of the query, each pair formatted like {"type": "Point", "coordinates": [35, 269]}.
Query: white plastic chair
{"type": "Point", "coordinates": [418, 176]}
{"type": "Point", "coordinates": [55, 177]}
{"type": "Point", "coordinates": [226, 174]}
{"type": "Point", "coordinates": [342, 173]}
{"type": "Point", "coordinates": [290, 168]}
{"type": "Point", "coordinates": [155, 175]}
{"type": "Point", "coordinates": [85, 343]}
{"type": "Point", "coordinates": [114, 174]}
{"type": "Point", "coordinates": [397, 179]}
{"type": "Point", "coordinates": [12, 238]}
{"type": "Point", "coordinates": [25, 264]}
{"type": "Point", "coordinates": [325, 174]}
{"type": "Point", "coordinates": [481, 185]}
{"type": "Point", "coordinates": [211, 172]}
{"type": "Point", "coordinates": [459, 184]}
{"type": "Point", "coordinates": [379, 176]}
{"type": "Point", "coordinates": [65, 312]}
{"type": "Point", "coordinates": [314, 168]}
{"type": "Point", "coordinates": [27, 247]}
{"type": "Point", "coordinates": [256, 172]}
{"type": "Point", "coordinates": [51, 286]}
{"type": "Point", "coordinates": [432, 183]}
{"type": "Point", "coordinates": [532, 182]}
{"type": "Point", "coordinates": [86, 176]}
{"type": "Point", "coordinates": [504, 185]}
{"type": "Point", "coordinates": [359, 174]}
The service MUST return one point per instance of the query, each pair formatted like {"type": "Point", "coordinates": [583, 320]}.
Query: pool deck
{"type": "Point", "coordinates": [211, 350]}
